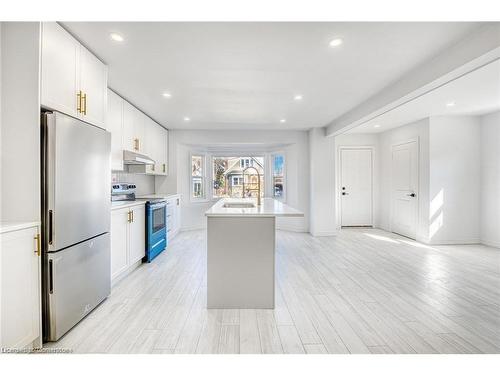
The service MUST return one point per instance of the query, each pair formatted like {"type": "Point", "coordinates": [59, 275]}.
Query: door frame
{"type": "Point", "coordinates": [338, 184]}
{"type": "Point", "coordinates": [417, 189]}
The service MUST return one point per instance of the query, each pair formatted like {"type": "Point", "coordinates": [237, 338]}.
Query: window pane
{"type": "Point", "coordinates": [197, 176]}
{"type": "Point", "coordinates": [278, 175]}
{"type": "Point", "coordinates": [228, 176]}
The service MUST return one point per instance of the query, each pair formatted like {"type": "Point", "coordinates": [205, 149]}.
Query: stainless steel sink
{"type": "Point", "coordinates": [239, 205]}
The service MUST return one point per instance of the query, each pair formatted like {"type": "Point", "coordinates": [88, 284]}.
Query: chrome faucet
{"type": "Point", "coordinates": [258, 184]}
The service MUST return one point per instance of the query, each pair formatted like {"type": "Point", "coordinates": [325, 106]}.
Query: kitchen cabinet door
{"type": "Point", "coordinates": [164, 152]}
{"type": "Point", "coordinates": [151, 145]}
{"type": "Point", "coordinates": [20, 282]}
{"type": "Point", "coordinates": [137, 234]}
{"type": "Point", "coordinates": [119, 241]}
{"type": "Point", "coordinates": [140, 130]}
{"type": "Point", "coordinates": [128, 127]}
{"type": "Point", "coordinates": [114, 124]}
{"type": "Point", "coordinates": [93, 84]}
{"type": "Point", "coordinates": [60, 70]}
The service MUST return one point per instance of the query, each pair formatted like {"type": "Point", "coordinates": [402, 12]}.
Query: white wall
{"type": "Point", "coordinates": [490, 179]}
{"type": "Point", "coordinates": [417, 130]}
{"type": "Point", "coordinates": [454, 184]}
{"type": "Point", "coordinates": [357, 140]}
{"type": "Point", "coordinates": [20, 121]}
{"type": "Point", "coordinates": [293, 143]}
{"type": "Point", "coordinates": [322, 183]}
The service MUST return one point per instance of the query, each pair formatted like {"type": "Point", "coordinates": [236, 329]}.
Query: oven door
{"type": "Point", "coordinates": [158, 217]}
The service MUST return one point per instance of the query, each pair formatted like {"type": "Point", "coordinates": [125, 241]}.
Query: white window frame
{"type": "Point", "coordinates": [203, 177]}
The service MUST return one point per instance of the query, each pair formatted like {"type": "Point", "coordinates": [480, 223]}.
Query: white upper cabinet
{"type": "Point", "coordinates": [74, 81]}
{"type": "Point", "coordinates": [132, 130]}
{"type": "Point", "coordinates": [114, 124]}
{"type": "Point", "coordinates": [140, 121]}
{"type": "Point", "coordinates": [93, 84]}
{"type": "Point", "coordinates": [60, 79]}
{"type": "Point", "coordinates": [129, 142]}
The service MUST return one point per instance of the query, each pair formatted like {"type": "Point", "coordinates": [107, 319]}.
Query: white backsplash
{"type": "Point", "coordinates": [145, 184]}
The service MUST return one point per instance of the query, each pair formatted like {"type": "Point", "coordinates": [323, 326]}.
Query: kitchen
{"type": "Point", "coordinates": [153, 214]}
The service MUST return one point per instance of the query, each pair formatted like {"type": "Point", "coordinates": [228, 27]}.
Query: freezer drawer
{"type": "Point", "coordinates": [78, 279]}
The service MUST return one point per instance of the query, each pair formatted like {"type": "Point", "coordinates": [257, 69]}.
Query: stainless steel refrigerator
{"type": "Point", "coordinates": [75, 221]}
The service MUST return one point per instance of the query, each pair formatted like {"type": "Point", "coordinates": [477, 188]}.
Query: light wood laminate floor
{"type": "Point", "coordinates": [363, 291]}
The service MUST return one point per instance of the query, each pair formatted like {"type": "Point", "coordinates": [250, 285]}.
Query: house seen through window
{"type": "Point", "coordinates": [229, 180]}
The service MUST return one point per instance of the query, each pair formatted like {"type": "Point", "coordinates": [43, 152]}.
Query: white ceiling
{"type": "Point", "coordinates": [475, 93]}
{"type": "Point", "coordinates": [245, 75]}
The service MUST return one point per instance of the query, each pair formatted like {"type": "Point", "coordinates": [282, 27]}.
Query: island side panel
{"type": "Point", "coordinates": [240, 262]}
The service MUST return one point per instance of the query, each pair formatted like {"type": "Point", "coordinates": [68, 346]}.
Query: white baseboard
{"type": "Point", "coordinates": [194, 227]}
{"type": "Point", "coordinates": [487, 242]}
{"type": "Point", "coordinates": [473, 241]}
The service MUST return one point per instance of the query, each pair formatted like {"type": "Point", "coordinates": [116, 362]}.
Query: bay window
{"type": "Point", "coordinates": [236, 176]}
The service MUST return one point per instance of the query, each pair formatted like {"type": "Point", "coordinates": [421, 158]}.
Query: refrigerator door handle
{"type": "Point", "coordinates": [51, 276]}
{"type": "Point", "coordinates": [51, 226]}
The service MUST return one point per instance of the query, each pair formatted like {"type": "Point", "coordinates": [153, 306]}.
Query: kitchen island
{"type": "Point", "coordinates": [241, 246]}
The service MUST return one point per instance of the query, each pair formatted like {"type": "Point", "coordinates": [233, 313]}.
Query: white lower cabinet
{"type": "Point", "coordinates": [173, 216]}
{"type": "Point", "coordinates": [20, 276]}
{"type": "Point", "coordinates": [137, 234]}
{"type": "Point", "coordinates": [128, 239]}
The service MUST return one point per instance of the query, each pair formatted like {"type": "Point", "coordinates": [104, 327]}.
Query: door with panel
{"type": "Point", "coordinates": [93, 84]}
{"type": "Point", "coordinates": [356, 189]}
{"type": "Point", "coordinates": [119, 241]}
{"type": "Point", "coordinates": [60, 70]}
{"type": "Point", "coordinates": [137, 234]}
{"type": "Point", "coordinates": [114, 124]}
{"type": "Point", "coordinates": [404, 195]}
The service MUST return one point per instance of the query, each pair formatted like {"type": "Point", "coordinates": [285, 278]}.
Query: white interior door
{"type": "Point", "coordinates": [405, 189]}
{"type": "Point", "coordinates": [356, 187]}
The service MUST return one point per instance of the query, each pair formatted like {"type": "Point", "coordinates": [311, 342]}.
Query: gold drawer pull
{"type": "Point", "coordinates": [79, 101]}
{"type": "Point", "coordinates": [84, 100]}
{"type": "Point", "coordinates": [38, 247]}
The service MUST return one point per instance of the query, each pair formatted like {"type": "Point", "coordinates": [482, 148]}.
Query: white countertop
{"type": "Point", "coordinates": [124, 204]}
{"type": "Point", "coordinates": [10, 226]}
{"type": "Point", "coordinates": [269, 208]}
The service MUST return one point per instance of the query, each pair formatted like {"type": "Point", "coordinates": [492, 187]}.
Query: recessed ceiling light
{"type": "Point", "coordinates": [116, 37]}
{"type": "Point", "coordinates": [450, 104]}
{"type": "Point", "coordinates": [187, 119]}
{"type": "Point", "coordinates": [336, 42]}
{"type": "Point", "coordinates": [297, 97]}
{"type": "Point", "coordinates": [376, 126]}
{"type": "Point", "coordinates": [167, 95]}
{"type": "Point", "coordinates": [283, 120]}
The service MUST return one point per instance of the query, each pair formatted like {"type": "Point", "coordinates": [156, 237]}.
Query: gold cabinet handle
{"type": "Point", "coordinates": [79, 101]}
{"type": "Point", "coordinates": [38, 247]}
{"type": "Point", "coordinates": [164, 168]}
{"type": "Point", "coordinates": [128, 216]}
{"type": "Point", "coordinates": [84, 102]}
{"type": "Point", "coordinates": [136, 144]}
{"type": "Point", "coordinates": [132, 215]}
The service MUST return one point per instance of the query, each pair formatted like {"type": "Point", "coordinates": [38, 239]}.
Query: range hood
{"type": "Point", "coordinates": [134, 158]}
